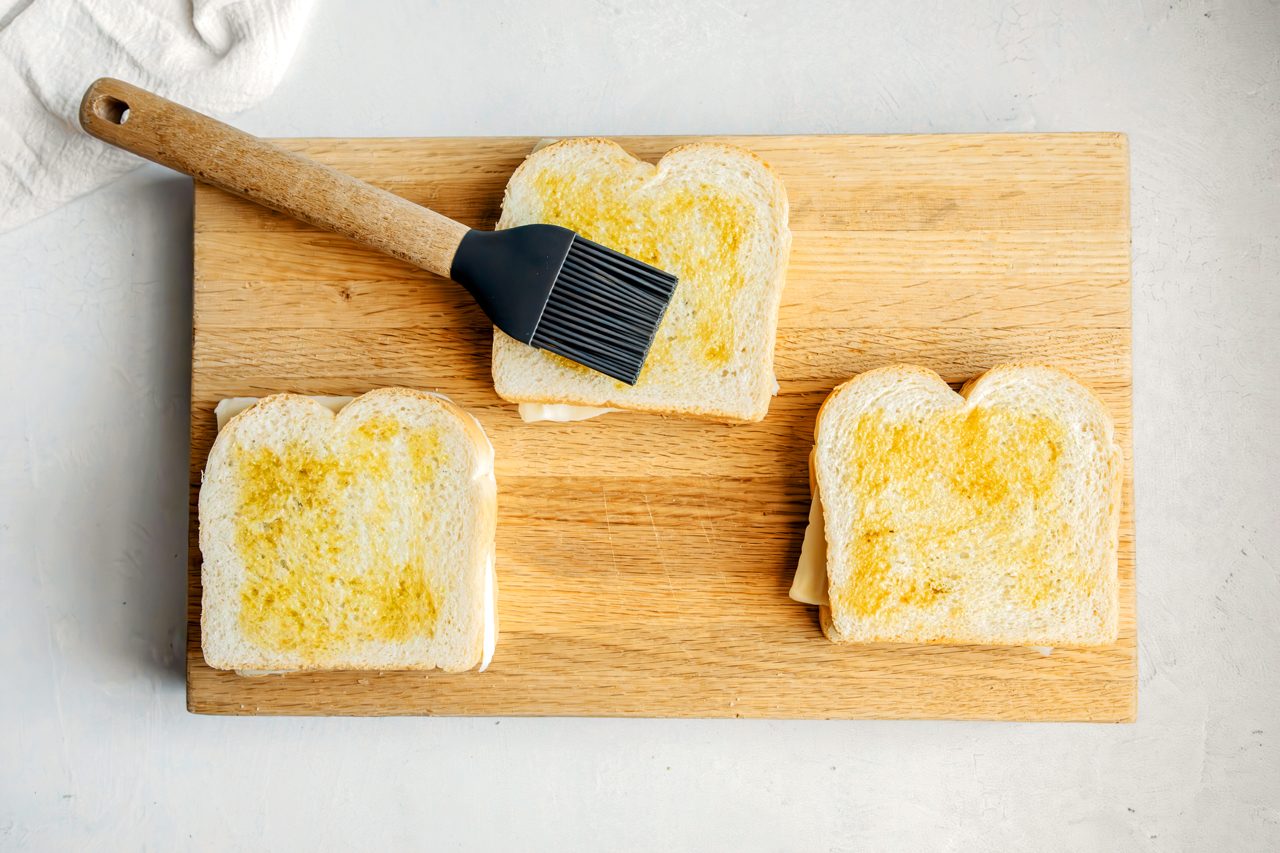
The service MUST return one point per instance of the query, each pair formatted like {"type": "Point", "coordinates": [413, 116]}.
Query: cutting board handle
{"type": "Point", "coordinates": [210, 151]}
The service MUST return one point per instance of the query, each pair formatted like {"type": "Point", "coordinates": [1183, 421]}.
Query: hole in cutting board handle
{"type": "Point", "coordinates": [111, 109]}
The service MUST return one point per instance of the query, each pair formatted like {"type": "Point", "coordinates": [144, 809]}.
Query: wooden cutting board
{"type": "Point", "coordinates": [643, 561]}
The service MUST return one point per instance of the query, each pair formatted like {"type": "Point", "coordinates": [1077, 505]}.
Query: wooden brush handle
{"type": "Point", "coordinates": [210, 151]}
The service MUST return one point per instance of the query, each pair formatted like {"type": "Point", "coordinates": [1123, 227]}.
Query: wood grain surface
{"type": "Point", "coordinates": [643, 561]}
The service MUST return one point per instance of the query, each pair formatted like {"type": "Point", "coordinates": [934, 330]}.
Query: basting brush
{"type": "Point", "coordinates": [541, 284]}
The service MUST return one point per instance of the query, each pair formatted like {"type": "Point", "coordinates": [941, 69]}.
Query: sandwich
{"type": "Point", "coordinates": [348, 534]}
{"type": "Point", "coordinates": [989, 516]}
{"type": "Point", "coordinates": [712, 214]}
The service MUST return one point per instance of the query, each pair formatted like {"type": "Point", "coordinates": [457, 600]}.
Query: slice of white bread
{"type": "Point", "coordinates": [990, 516]}
{"type": "Point", "coordinates": [361, 538]}
{"type": "Point", "coordinates": [713, 215]}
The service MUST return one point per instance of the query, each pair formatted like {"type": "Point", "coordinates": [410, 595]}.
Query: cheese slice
{"type": "Point", "coordinates": [809, 586]}
{"type": "Point", "coordinates": [232, 406]}
{"type": "Point", "coordinates": [565, 413]}
{"type": "Point", "coordinates": [560, 412]}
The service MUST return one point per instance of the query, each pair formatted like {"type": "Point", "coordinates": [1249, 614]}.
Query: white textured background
{"type": "Point", "coordinates": [96, 749]}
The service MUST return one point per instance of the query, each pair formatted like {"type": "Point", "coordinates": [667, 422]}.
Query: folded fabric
{"type": "Point", "coordinates": [218, 56]}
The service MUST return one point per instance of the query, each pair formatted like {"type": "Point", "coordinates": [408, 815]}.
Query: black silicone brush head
{"type": "Point", "coordinates": [604, 310]}
{"type": "Point", "coordinates": [548, 287]}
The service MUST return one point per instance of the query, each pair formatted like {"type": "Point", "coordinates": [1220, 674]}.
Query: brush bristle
{"type": "Point", "coordinates": [604, 310]}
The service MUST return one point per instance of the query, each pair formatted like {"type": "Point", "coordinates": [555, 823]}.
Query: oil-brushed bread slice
{"type": "Point", "coordinates": [712, 214]}
{"type": "Point", "coordinates": [990, 516]}
{"type": "Point", "coordinates": [357, 540]}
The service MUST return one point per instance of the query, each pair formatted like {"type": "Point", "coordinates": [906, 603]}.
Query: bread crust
{"type": "Point", "coordinates": [974, 386]}
{"type": "Point", "coordinates": [480, 547]}
{"type": "Point", "coordinates": [764, 386]}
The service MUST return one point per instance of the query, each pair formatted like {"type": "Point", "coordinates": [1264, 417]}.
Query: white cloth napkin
{"type": "Point", "coordinates": [216, 56]}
